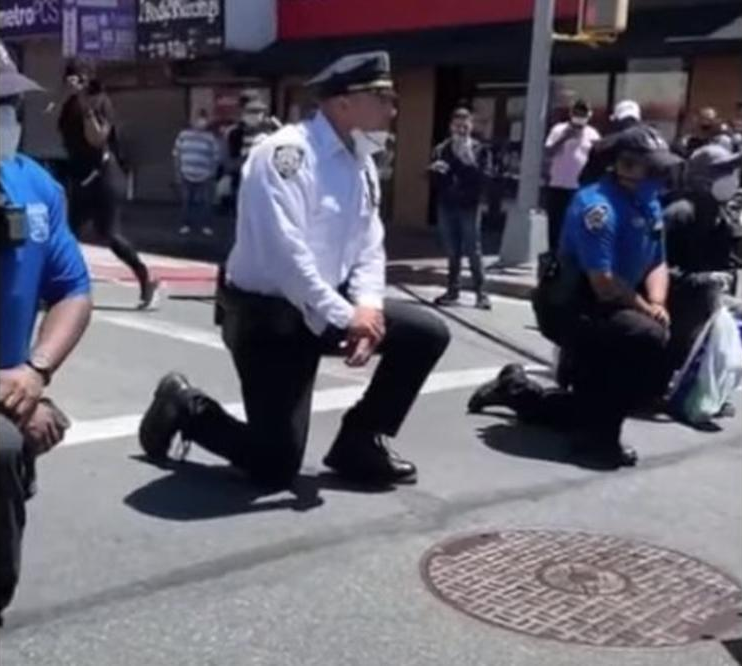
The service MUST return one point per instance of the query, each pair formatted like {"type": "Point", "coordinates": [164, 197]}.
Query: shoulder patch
{"type": "Point", "coordinates": [596, 217]}
{"type": "Point", "coordinates": [287, 160]}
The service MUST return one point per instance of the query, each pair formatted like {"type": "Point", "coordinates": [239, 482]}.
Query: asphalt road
{"type": "Point", "coordinates": [129, 564]}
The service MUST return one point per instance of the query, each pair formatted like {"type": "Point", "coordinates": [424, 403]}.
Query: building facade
{"type": "Point", "coordinates": [675, 56]}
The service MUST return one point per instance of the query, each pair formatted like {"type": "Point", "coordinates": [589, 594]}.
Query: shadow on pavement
{"type": "Point", "coordinates": [197, 491]}
{"type": "Point", "coordinates": [528, 441]}
{"type": "Point", "coordinates": [734, 648]}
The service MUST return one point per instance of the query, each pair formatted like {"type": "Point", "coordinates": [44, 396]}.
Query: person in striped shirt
{"type": "Point", "coordinates": [197, 156]}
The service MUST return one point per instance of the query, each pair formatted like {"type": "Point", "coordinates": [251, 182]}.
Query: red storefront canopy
{"type": "Point", "coordinates": [304, 19]}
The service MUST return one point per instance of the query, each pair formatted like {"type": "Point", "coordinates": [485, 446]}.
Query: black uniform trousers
{"type": "Point", "coordinates": [13, 494]}
{"type": "Point", "coordinates": [277, 357]}
{"type": "Point", "coordinates": [97, 199]}
{"type": "Point", "coordinates": [620, 362]}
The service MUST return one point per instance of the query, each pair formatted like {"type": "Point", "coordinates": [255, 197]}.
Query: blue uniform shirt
{"type": "Point", "coordinates": [48, 266]}
{"type": "Point", "coordinates": [609, 229]}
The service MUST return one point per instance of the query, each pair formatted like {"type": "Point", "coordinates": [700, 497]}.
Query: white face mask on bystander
{"type": "Point", "coordinates": [10, 132]}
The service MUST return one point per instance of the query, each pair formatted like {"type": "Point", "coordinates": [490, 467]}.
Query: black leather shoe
{"type": "Point", "coordinates": [166, 416]}
{"type": "Point", "coordinates": [612, 455]}
{"type": "Point", "coordinates": [449, 298]}
{"type": "Point", "coordinates": [363, 457]}
{"type": "Point", "coordinates": [497, 391]}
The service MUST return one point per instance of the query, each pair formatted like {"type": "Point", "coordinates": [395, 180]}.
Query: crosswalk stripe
{"type": "Point", "coordinates": [325, 400]}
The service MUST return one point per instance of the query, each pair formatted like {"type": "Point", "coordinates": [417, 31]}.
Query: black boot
{"type": "Point", "coordinates": [450, 297]}
{"type": "Point", "coordinates": [166, 416]}
{"type": "Point", "coordinates": [362, 456]}
{"type": "Point", "coordinates": [498, 391]}
{"type": "Point", "coordinates": [602, 448]}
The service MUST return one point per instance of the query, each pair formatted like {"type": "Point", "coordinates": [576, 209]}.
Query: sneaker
{"type": "Point", "coordinates": [207, 231]}
{"type": "Point", "coordinates": [483, 302]}
{"type": "Point", "coordinates": [184, 230]}
{"type": "Point", "coordinates": [497, 392]}
{"type": "Point", "coordinates": [363, 457]}
{"type": "Point", "coordinates": [449, 298]}
{"type": "Point", "coordinates": [150, 296]}
{"type": "Point", "coordinates": [165, 417]}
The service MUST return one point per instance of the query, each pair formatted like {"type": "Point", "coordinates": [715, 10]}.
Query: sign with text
{"type": "Point", "coordinates": [22, 18]}
{"type": "Point", "coordinates": [180, 29]}
{"type": "Point", "coordinates": [99, 29]}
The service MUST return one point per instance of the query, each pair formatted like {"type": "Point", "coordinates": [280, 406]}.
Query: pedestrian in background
{"type": "Point", "coordinates": [567, 149]}
{"type": "Point", "coordinates": [626, 113]}
{"type": "Point", "coordinates": [707, 127]}
{"type": "Point", "coordinates": [96, 184]}
{"type": "Point", "coordinates": [197, 158]}
{"type": "Point", "coordinates": [458, 172]}
{"type": "Point", "coordinates": [254, 125]}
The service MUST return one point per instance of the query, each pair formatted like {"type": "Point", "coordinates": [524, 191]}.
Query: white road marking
{"type": "Point", "coordinates": [326, 400]}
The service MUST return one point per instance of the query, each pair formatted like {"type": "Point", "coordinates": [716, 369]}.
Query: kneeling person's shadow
{"type": "Point", "coordinates": [513, 437]}
{"type": "Point", "coordinates": [198, 491]}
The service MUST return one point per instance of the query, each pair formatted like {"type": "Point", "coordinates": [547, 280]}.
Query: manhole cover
{"type": "Point", "coordinates": [583, 588]}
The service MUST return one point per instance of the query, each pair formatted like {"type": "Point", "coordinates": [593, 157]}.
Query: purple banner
{"type": "Point", "coordinates": [100, 29]}
{"type": "Point", "coordinates": [23, 18]}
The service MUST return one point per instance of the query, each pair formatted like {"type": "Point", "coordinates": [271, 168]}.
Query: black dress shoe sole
{"type": "Point", "coordinates": [363, 478]}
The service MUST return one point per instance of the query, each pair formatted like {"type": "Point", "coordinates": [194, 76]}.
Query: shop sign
{"type": "Point", "coordinates": [21, 18]}
{"type": "Point", "coordinates": [180, 29]}
{"type": "Point", "coordinates": [99, 29]}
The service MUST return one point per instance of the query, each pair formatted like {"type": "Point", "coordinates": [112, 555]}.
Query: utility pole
{"type": "Point", "coordinates": [518, 244]}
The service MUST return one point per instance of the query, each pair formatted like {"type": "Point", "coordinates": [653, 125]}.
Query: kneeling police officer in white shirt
{"type": "Point", "coordinates": [306, 277]}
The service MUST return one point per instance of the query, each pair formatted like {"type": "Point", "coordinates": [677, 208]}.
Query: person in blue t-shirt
{"type": "Point", "coordinates": [40, 266]}
{"type": "Point", "coordinates": [613, 242]}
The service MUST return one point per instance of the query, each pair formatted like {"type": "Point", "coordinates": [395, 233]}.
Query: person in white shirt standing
{"type": "Point", "coordinates": [567, 149]}
{"type": "Point", "coordinates": [306, 277]}
{"type": "Point", "coordinates": [197, 157]}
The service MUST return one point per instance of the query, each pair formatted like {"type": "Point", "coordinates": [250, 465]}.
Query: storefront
{"type": "Point", "coordinates": [673, 57]}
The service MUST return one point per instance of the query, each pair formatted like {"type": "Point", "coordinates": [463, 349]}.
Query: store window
{"type": "Point", "coordinates": [566, 89]}
{"type": "Point", "coordinates": [660, 86]}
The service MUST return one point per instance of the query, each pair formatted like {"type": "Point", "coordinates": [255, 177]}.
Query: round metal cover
{"type": "Point", "coordinates": [583, 588]}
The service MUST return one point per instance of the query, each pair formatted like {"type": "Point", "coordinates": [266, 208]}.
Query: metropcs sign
{"type": "Point", "coordinates": [30, 17]}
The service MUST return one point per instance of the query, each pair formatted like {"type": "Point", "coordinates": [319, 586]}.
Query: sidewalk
{"type": "Point", "coordinates": [415, 257]}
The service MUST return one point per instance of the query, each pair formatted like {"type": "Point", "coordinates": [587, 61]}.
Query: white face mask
{"type": "Point", "coordinates": [201, 123]}
{"type": "Point", "coordinates": [252, 119]}
{"type": "Point", "coordinates": [368, 143]}
{"type": "Point", "coordinates": [579, 121]}
{"type": "Point", "coordinates": [10, 132]}
{"type": "Point", "coordinates": [723, 189]}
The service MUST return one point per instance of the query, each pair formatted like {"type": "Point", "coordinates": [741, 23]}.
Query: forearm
{"type": "Point", "coordinates": [610, 289]}
{"type": "Point", "coordinates": [62, 328]}
{"type": "Point", "coordinates": [657, 285]}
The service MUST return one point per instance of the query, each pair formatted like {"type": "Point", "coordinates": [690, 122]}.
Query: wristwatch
{"type": "Point", "coordinates": [42, 366]}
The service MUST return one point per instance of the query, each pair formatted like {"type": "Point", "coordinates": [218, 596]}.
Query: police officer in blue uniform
{"type": "Point", "coordinates": [616, 326]}
{"type": "Point", "coordinates": [39, 262]}
{"type": "Point", "coordinates": [306, 277]}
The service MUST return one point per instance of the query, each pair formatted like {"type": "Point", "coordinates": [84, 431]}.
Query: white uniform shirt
{"type": "Point", "coordinates": [572, 155]}
{"type": "Point", "coordinates": [307, 223]}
